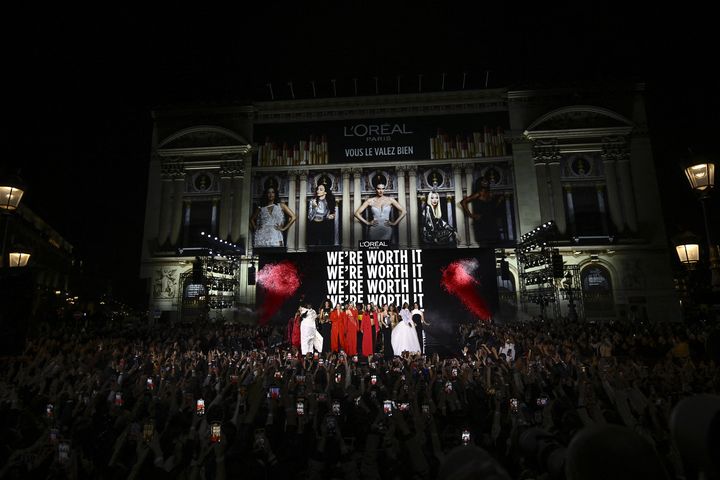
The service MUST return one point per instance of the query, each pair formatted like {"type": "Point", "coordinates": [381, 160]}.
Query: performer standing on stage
{"type": "Point", "coordinates": [351, 335]}
{"type": "Point", "coordinates": [309, 337]}
{"type": "Point", "coordinates": [404, 336]}
{"type": "Point", "coordinates": [418, 318]}
{"type": "Point", "coordinates": [386, 329]}
{"type": "Point", "coordinates": [338, 319]}
{"type": "Point", "coordinates": [324, 323]}
{"type": "Point", "coordinates": [368, 330]}
{"type": "Point", "coordinates": [293, 330]}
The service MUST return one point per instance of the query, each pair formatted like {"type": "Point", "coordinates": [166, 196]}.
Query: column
{"type": "Point", "coordinates": [570, 207]}
{"type": "Point", "coordinates": [402, 226]}
{"type": "Point", "coordinates": [214, 217]}
{"type": "Point", "coordinates": [543, 191]}
{"type": "Point", "coordinates": [165, 210]}
{"type": "Point", "coordinates": [510, 233]}
{"type": "Point", "coordinates": [413, 216]}
{"type": "Point", "coordinates": [469, 186]}
{"type": "Point", "coordinates": [186, 222]}
{"type": "Point", "coordinates": [603, 210]}
{"type": "Point", "coordinates": [557, 197]}
{"type": "Point", "coordinates": [347, 213]}
{"type": "Point", "coordinates": [236, 226]}
{"type": "Point", "coordinates": [628, 196]}
{"type": "Point", "coordinates": [302, 211]}
{"type": "Point", "coordinates": [357, 201]}
{"type": "Point", "coordinates": [292, 231]}
{"type": "Point", "coordinates": [225, 206]}
{"type": "Point", "coordinates": [177, 209]}
{"type": "Point", "coordinates": [613, 195]}
{"type": "Point", "coordinates": [459, 214]}
{"type": "Point", "coordinates": [245, 205]}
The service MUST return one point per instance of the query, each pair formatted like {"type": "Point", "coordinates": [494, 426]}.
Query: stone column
{"type": "Point", "coordinates": [245, 206]}
{"type": "Point", "coordinates": [613, 194]}
{"type": "Point", "coordinates": [543, 191]}
{"type": "Point", "coordinates": [469, 187]}
{"type": "Point", "coordinates": [187, 205]}
{"type": "Point", "coordinates": [165, 209]}
{"type": "Point", "coordinates": [571, 207]}
{"type": "Point", "coordinates": [293, 230]}
{"type": "Point", "coordinates": [214, 217]}
{"type": "Point", "coordinates": [225, 205]}
{"type": "Point", "coordinates": [402, 226]}
{"type": "Point", "coordinates": [177, 208]}
{"type": "Point", "coordinates": [302, 211]}
{"type": "Point", "coordinates": [602, 208]}
{"type": "Point", "coordinates": [357, 201]}
{"type": "Point", "coordinates": [628, 196]}
{"type": "Point", "coordinates": [413, 220]}
{"type": "Point", "coordinates": [347, 212]}
{"type": "Point", "coordinates": [237, 201]}
{"type": "Point", "coordinates": [459, 214]}
{"type": "Point", "coordinates": [557, 197]}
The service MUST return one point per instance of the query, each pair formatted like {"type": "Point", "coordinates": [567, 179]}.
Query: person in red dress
{"type": "Point", "coordinates": [292, 335]}
{"type": "Point", "coordinates": [338, 320]}
{"type": "Point", "coordinates": [368, 329]}
{"type": "Point", "coordinates": [351, 340]}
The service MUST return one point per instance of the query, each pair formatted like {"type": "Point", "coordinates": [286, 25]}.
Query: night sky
{"type": "Point", "coordinates": [79, 89]}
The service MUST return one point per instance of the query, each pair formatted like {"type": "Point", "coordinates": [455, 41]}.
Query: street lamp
{"type": "Point", "coordinates": [18, 259]}
{"type": "Point", "coordinates": [11, 192]}
{"type": "Point", "coordinates": [688, 249]}
{"type": "Point", "coordinates": [701, 175]}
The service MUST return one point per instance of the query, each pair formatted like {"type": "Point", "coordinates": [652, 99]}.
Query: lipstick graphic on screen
{"type": "Point", "coordinates": [457, 280]}
{"type": "Point", "coordinates": [280, 281]}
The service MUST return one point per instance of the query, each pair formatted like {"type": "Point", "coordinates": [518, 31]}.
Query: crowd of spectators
{"type": "Point", "coordinates": [520, 401]}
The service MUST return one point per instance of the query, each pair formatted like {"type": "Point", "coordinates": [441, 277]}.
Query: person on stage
{"type": "Point", "coordinates": [351, 332]}
{"type": "Point", "coordinates": [404, 337]}
{"type": "Point", "coordinates": [435, 230]}
{"type": "Point", "coordinates": [293, 330]}
{"type": "Point", "coordinates": [380, 226]}
{"type": "Point", "coordinates": [386, 330]}
{"type": "Point", "coordinates": [310, 338]}
{"type": "Point", "coordinates": [356, 312]}
{"type": "Point", "coordinates": [338, 319]}
{"type": "Point", "coordinates": [324, 324]}
{"type": "Point", "coordinates": [268, 221]}
{"type": "Point", "coordinates": [368, 330]}
{"type": "Point", "coordinates": [418, 318]}
{"type": "Point", "coordinates": [321, 217]}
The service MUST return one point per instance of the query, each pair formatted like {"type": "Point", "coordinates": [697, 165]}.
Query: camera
{"type": "Point", "coordinates": [387, 407]}
{"type": "Point", "coordinates": [200, 407]}
{"type": "Point", "coordinates": [215, 432]}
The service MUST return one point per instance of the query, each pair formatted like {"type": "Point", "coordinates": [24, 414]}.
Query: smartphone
{"type": "Point", "coordinates": [278, 375]}
{"type": "Point", "coordinates": [118, 399]}
{"type": "Point", "coordinates": [426, 408]}
{"type": "Point", "coordinates": [300, 379]}
{"type": "Point", "coordinates": [387, 408]}
{"type": "Point", "coordinates": [336, 408]}
{"type": "Point", "coordinates": [465, 437]}
{"type": "Point", "coordinates": [448, 387]}
{"type": "Point", "coordinates": [200, 407]}
{"type": "Point", "coordinates": [289, 356]}
{"type": "Point", "coordinates": [49, 410]}
{"type": "Point", "coordinates": [316, 356]}
{"type": "Point", "coordinates": [274, 392]}
{"type": "Point", "coordinates": [300, 408]}
{"type": "Point", "coordinates": [215, 432]}
{"type": "Point", "coordinates": [331, 423]}
{"type": "Point", "coordinates": [373, 379]}
{"type": "Point", "coordinates": [454, 372]}
{"type": "Point", "coordinates": [404, 407]}
{"type": "Point", "coordinates": [355, 358]}
{"type": "Point", "coordinates": [148, 432]}
{"type": "Point", "coordinates": [234, 379]}
{"type": "Point", "coordinates": [514, 405]}
{"type": "Point", "coordinates": [149, 383]}
{"type": "Point", "coordinates": [338, 377]}
{"type": "Point", "coordinates": [542, 401]}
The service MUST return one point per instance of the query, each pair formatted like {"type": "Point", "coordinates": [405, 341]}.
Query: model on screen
{"type": "Point", "coordinates": [380, 226]}
{"type": "Point", "coordinates": [270, 220]}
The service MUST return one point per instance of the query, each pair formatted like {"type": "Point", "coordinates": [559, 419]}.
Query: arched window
{"type": "Point", "coordinates": [597, 291]}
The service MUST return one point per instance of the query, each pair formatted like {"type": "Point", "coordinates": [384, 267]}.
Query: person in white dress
{"type": "Point", "coordinates": [268, 221]}
{"type": "Point", "coordinates": [381, 206]}
{"type": "Point", "coordinates": [404, 337]}
{"type": "Point", "coordinates": [309, 336]}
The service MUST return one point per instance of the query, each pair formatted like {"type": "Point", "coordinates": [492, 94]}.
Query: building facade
{"type": "Point", "coordinates": [444, 173]}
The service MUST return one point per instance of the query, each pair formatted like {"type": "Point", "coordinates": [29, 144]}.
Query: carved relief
{"type": "Point", "coordinates": [165, 282]}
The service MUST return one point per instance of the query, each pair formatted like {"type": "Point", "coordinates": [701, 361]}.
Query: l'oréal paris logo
{"type": "Point", "coordinates": [376, 130]}
{"type": "Point", "coordinates": [373, 244]}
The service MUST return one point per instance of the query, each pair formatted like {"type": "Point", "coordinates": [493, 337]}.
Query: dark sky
{"type": "Point", "coordinates": [82, 85]}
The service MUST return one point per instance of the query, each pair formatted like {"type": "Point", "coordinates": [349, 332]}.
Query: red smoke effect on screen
{"type": "Point", "coordinates": [457, 280]}
{"type": "Point", "coordinates": [280, 281]}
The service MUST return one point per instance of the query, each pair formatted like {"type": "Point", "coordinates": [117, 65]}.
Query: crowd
{"type": "Point", "coordinates": [213, 401]}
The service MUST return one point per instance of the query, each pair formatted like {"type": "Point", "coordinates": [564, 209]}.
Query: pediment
{"type": "Point", "coordinates": [203, 137]}
{"type": "Point", "coordinates": [579, 120]}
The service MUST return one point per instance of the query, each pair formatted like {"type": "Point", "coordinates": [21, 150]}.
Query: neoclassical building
{"type": "Point", "coordinates": [228, 185]}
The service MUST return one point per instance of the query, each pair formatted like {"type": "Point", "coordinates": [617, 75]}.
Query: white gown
{"type": "Point", "coordinates": [404, 337]}
{"type": "Point", "coordinates": [309, 336]}
{"type": "Point", "coordinates": [267, 235]}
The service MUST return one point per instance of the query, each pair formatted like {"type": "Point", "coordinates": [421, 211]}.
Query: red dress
{"type": "Point", "coordinates": [368, 330]}
{"type": "Point", "coordinates": [295, 340]}
{"type": "Point", "coordinates": [351, 346]}
{"type": "Point", "coordinates": [338, 319]}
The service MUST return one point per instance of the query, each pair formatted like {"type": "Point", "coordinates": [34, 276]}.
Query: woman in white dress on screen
{"type": "Point", "coordinates": [404, 336]}
{"type": "Point", "coordinates": [268, 221]}
{"type": "Point", "coordinates": [380, 226]}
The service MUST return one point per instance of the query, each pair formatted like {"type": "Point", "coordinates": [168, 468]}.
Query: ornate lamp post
{"type": "Point", "coordinates": [11, 192]}
{"type": "Point", "coordinates": [701, 175]}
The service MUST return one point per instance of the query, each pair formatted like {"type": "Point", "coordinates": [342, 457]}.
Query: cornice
{"type": "Point", "coordinates": [204, 151]}
{"type": "Point", "coordinates": [579, 133]}
{"type": "Point", "coordinates": [405, 165]}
